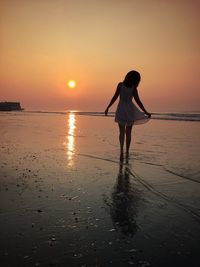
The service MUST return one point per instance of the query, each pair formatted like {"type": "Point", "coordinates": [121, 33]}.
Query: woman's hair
{"type": "Point", "coordinates": [132, 78]}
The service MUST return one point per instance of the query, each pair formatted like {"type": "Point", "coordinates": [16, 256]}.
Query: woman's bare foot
{"type": "Point", "coordinates": [121, 156]}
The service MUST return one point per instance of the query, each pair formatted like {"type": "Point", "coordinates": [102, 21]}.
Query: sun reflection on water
{"type": "Point", "coordinates": [70, 138]}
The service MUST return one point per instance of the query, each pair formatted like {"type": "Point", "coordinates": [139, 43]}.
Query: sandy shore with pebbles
{"type": "Point", "coordinates": [67, 201]}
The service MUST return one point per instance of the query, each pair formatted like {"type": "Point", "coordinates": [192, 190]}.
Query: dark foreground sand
{"type": "Point", "coordinates": [65, 200]}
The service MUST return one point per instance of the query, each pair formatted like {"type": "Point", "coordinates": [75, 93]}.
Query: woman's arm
{"type": "Point", "coordinates": [138, 101]}
{"type": "Point", "coordinates": [114, 98]}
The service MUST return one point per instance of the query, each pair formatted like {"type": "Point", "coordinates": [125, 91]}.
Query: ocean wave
{"type": "Point", "coordinates": [177, 116]}
{"type": "Point", "coordinates": [181, 175]}
{"type": "Point", "coordinates": [184, 116]}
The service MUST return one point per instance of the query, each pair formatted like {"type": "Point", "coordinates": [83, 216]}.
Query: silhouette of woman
{"type": "Point", "coordinates": [127, 114]}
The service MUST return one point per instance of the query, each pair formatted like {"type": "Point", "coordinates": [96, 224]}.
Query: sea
{"type": "Point", "coordinates": [179, 116]}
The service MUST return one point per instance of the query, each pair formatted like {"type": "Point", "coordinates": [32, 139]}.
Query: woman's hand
{"type": "Point", "coordinates": [106, 112]}
{"type": "Point", "coordinates": [148, 114]}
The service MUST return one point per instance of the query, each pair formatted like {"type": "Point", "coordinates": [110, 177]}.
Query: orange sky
{"type": "Point", "coordinates": [44, 43]}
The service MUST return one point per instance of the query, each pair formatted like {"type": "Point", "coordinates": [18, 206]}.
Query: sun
{"type": "Point", "coordinates": [71, 84]}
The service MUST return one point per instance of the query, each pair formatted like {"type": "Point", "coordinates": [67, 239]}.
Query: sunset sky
{"type": "Point", "coordinates": [46, 43]}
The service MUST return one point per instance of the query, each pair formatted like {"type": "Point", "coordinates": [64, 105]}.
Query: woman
{"type": "Point", "coordinates": [127, 113]}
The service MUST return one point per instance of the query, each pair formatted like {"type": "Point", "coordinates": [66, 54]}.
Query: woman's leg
{"type": "Point", "coordinates": [128, 138]}
{"type": "Point", "coordinates": [121, 139]}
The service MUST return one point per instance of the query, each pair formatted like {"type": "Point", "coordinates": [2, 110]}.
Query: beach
{"type": "Point", "coordinates": [66, 200]}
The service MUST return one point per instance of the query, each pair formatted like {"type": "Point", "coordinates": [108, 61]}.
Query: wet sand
{"type": "Point", "coordinates": [66, 200]}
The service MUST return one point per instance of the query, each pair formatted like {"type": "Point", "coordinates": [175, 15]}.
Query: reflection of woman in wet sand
{"type": "Point", "coordinates": [123, 208]}
{"type": "Point", "coordinates": [127, 113]}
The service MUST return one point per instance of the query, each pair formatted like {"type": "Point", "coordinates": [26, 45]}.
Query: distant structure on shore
{"type": "Point", "coordinates": [9, 106]}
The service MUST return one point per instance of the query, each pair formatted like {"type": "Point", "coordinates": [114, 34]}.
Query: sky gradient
{"type": "Point", "coordinates": [96, 42]}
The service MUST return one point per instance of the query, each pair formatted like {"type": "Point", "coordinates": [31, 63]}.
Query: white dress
{"type": "Point", "coordinates": [127, 113]}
